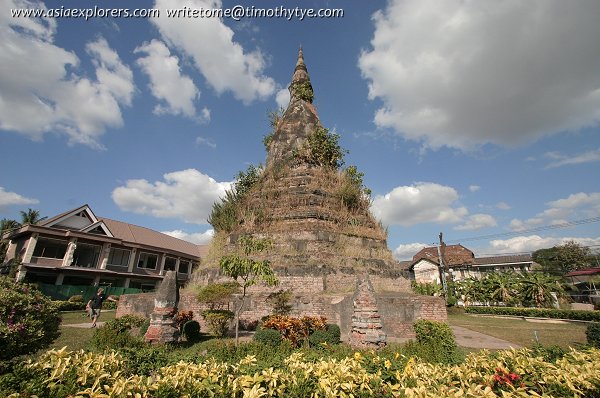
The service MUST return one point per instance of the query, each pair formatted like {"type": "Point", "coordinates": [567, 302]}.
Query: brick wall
{"type": "Point", "coordinates": [398, 311]}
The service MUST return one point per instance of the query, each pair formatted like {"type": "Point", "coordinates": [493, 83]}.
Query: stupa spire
{"type": "Point", "coordinates": [300, 88]}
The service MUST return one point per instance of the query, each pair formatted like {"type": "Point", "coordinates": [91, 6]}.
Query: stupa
{"type": "Point", "coordinates": [316, 214]}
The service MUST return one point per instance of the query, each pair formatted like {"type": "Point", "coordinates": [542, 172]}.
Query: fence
{"type": "Point", "coordinates": [63, 292]}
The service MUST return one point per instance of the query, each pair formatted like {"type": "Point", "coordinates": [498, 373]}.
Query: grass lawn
{"type": "Point", "coordinates": [523, 332]}
{"type": "Point", "coordinates": [76, 338]}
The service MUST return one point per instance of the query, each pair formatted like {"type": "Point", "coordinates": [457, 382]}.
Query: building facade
{"type": "Point", "coordinates": [78, 248]}
{"type": "Point", "coordinates": [461, 264]}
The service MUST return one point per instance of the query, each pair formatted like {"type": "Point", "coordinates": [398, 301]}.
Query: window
{"type": "Point", "coordinates": [147, 260]}
{"type": "Point", "coordinates": [184, 266]}
{"type": "Point", "coordinates": [118, 257]}
{"type": "Point", "coordinates": [170, 263]}
{"type": "Point", "coordinates": [86, 255]}
{"type": "Point", "coordinates": [50, 248]}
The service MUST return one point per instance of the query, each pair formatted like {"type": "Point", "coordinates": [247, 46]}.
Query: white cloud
{"type": "Point", "coordinates": [576, 206]}
{"type": "Point", "coordinates": [199, 238]}
{"type": "Point", "coordinates": [206, 141]}
{"type": "Point", "coordinates": [502, 206]}
{"type": "Point", "coordinates": [463, 74]}
{"type": "Point", "coordinates": [282, 98]}
{"type": "Point", "coordinates": [167, 83]}
{"type": "Point", "coordinates": [474, 188]}
{"type": "Point", "coordinates": [12, 199]}
{"type": "Point", "coordinates": [40, 90]}
{"type": "Point", "coordinates": [477, 221]}
{"type": "Point", "coordinates": [186, 194]}
{"type": "Point", "coordinates": [531, 243]}
{"type": "Point", "coordinates": [564, 160]}
{"type": "Point", "coordinates": [210, 43]}
{"type": "Point", "coordinates": [419, 203]}
{"type": "Point", "coordinates": [408, 250]}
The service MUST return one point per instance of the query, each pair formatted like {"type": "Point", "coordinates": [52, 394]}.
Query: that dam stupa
{"type": "Point", "coordinates": [326, 245]}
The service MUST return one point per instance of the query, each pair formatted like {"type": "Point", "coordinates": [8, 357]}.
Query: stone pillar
{"type": "Point", "coordinates": [30, 248]}
{"type": "Point", "coordinates": [68, 258]}
{"type": "Point", "coordinates": [131, 260]}
{"type": "Point", "coordinates": [367, 328]}
{"type": "Point", "coordinates": [104, 254]}
{"type": "Point", "coordinates": [162, 327]}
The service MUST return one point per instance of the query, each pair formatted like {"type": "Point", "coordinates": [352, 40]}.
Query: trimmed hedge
{"type": "Point", "coordinates": [537, 312]}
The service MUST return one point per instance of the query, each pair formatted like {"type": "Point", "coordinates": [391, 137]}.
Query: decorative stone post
{"type": "Point", "coordinates": [162, 327]}
{"type": "Point", "coordinates": [366, 322]}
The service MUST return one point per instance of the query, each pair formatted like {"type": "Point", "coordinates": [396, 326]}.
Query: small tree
{"type": "Point", "coordinates": [247, 271]}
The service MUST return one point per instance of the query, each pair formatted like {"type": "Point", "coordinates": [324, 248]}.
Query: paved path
{"type": "Point", "coordinates": [471, 339]}
{"type": "Point", "coordinates": [464, 338]}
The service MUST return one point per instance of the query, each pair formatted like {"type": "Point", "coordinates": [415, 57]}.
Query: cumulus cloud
{"type": "Point", "coordinates": [40, 90]}
{"type": "Point", "coordinates": [474, 188]}
{"type": "Point", "coordinates": [199, 238]}
{"type": "Point", "coordinates": [576, 206]}
{"type": "Point", "coordinates": [12, 198]}
{"type": "Point", "coordinates": [477, 221]}
{"type": "Point", "coordinates": [282, 98]}
{"type": "Point", "coordinates": [465, 73]}
{"type": "Point", "coordinates": [531, 243]}
{"type": "Point", "coordinates": [419, 203]}
{"type": "Point", "coordinates": [558, 159]}
{"type": "Point", "coordinates": [167, 84]}
{"type": "Point", "coordinates": [187, 195]}
{"type": "Point", "coordinates": [224, 63]}
{"type": "Point", "coordinates": [408, 250]}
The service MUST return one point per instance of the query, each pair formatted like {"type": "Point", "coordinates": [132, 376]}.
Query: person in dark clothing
{"type": "Point", "coordinates": [94, 305]}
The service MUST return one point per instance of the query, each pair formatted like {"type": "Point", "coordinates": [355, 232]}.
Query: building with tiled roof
{"type": "Point", "coordinates": [78, 248]}
{"type": "Point", "coordinates": [461, 263]}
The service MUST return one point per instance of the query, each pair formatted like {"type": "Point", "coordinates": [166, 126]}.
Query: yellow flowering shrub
{"type": "Point", "coordinates": [514, 373]}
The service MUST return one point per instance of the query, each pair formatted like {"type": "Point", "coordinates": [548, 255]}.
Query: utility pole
{"type": "Point", "coordinates": [440, 250]}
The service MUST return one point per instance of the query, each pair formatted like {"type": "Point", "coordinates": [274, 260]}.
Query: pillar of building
{"type": "Point", "coordinates": [68, 258]}
{"type": "Point", "coordinates": [163, 258]}
{"type": "Point", "coordinates": [131, 260]}
{"type": "Point", "coordinates": [103, 261]}
{"type": "Point", "coordinates": [59, 279]}
{"type": "Point", "coordinates": [30, 248]}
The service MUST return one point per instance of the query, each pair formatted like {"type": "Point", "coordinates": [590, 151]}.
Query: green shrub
{"type": "Point", "coordinates": [28, 319]}
{"type": "Point", "coordinates": [217, 321]}
{"type": "Point", "coordinates": [592, 333]}
{"type": "Point", "coordinates": [438, 337]}
{"type": "Point", "coordinates": [217, 294]}
{"type": "Point", "coordinates": [191, 331]}
{"type": "Point", "coordinates": [68, 305]}
{"type": "Point", "coordinates": [550, 353]}
{"type": "Point", "coordinates": [330, 336]}
{"type": "Point", "coordinates": [335, 333]}
{"type": "Point", "coordinates": [145, 360]}
{"type": "Point", "coordinates": [78, 298]}
{"type": "Point", "coordinates": [144, 327]}
{"type": "Point", "coordinates": [270, 337]}
{"type": "Point", "coordinates": [537, 312]}
{"type": "Point", "coordinates": [116, 334]}
{"type": "Point", "coordinates": [181, 318]}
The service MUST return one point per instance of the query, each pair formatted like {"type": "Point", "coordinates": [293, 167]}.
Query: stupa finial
{"type": "Point", "coordinates": [300, 77]}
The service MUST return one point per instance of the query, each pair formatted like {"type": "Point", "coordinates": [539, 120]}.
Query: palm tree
{"type": "Point", "coordinates": [537, 288]}
{"type": "Point", "coordinates": [502, 286]}
{"type": "Point", "coordinates": [31, 217]}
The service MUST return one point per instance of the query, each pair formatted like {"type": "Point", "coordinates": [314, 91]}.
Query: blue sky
{"type": "Point", "coordinates": [475, 119]}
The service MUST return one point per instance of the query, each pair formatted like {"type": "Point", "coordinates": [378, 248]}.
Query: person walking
{"type": "Point", "coordinates": [94, 305]}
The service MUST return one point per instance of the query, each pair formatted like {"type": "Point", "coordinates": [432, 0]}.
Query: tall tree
{"type": "Point", "coordinates": [5, 226]}
{"type": "Point", "coordinates": [247, 271]}
{"type": "Point", "coordinates": [31, 217]}
{"type": "Point", "coordinates": [563, 258]}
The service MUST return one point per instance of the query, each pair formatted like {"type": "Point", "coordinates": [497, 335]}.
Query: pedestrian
{"type": "Point", "coordinates": [94, 305]}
